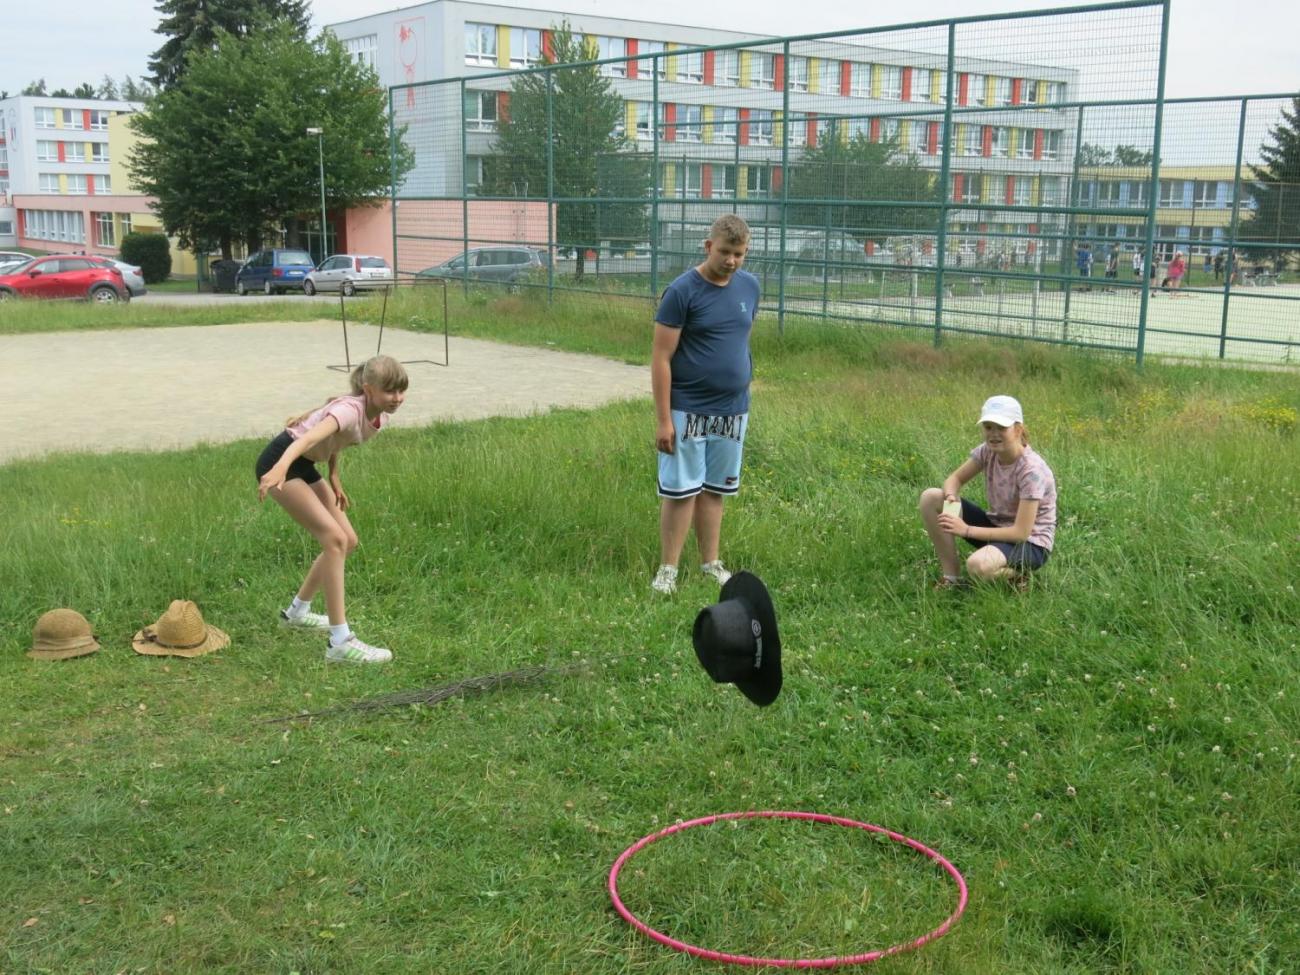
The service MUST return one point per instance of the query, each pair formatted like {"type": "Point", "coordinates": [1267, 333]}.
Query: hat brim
{"type": "Point", "coordinates": [82, 651]}
{"type": "Point", "coordinates": [765, 685]}
{"type": "Point", "coordinates": [1000, 419]}
{"type": "Point", "coordinates": [214, 640]}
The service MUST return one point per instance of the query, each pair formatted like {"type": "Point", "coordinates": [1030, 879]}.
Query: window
{"type": "Point", "coordinates": [76, 182]}
{"type": "Point", "coordinates": [828, 128]}
{"type": "Point", "coordinates": [645, 119]}
{"type": "Point", "coordinates": [480, 111]}
{"type": "Point", "coordinates": [4, 191]}
{"type": "Point", "coordinates": [104, 230]}
{"type": "Point", "coordinates": [762, 70]}
{"type": "Point", "coordinates": [1205, 193]}
{"type": "Point", "coordinates": [972, 188]}
{"type": "Point", "coordinates": [725, 122]}
{"type": "Point", "coordinates": [1001, 141]}
{"type": "Point", "coordinates": [1171, 193]}
{"type": "Point", "coordinates": [1025, 148]}
{"type": "Point", "coordinates": [921, 84]}
{"type": "Point", "coordinates": [1020, 190]}
{"type": "Point", "coordinates": [760, 127]}
{"type": "Point", "coordinates": [611, 47]}
{"type": "Point", "coordinates": [660, 64]}
{"type": "Point", "coordinates": [124, 221]}
{"type": "Point", "coordinates": [481, 44]}
{"type": "Point", "coordinates": [49, 183]}
{"type": "Point", "coordinates": [888, 129]}
{"type": "Point", "coordinates": [1001, 91]}
{"type": "Point", "coordinates": [920, 136]}
{"type": "Point", "coordinates": [796, 131]}
{"type": "Point", "coordinates": [525, 47]}
{"type": "Point", "coordinates": [726, 69]}
{"type": "Point", "coordinates": [363, 49]}
{"type": "Point", "coordinates": [70, 118]}
{"type": "Point", "coordinates": [724, 180]}
{"type": "Point", "coordinates": [47, 151]}
{"type": "Point", "coordinates": [860, 80]}
{"type": "Point", "coordinates": [1137, 193]}
{"type": "Point", "coordinates": [478, 174]}
{"type": "Point", "coordinates": [1051, 145]}
{"type": "Point", "coordinates": [690, 68]}
{"type": "Point", "coordinates": [99, 152]}
{"type": "Point", "coordinates": [690, 119]}
{"type": "Point", "coordinates": [103, 183]}
{"type": "Point", "coordinates": [1108, 193]}
{"type": "Point", "coordinates": [6, 226]}
{"type": "Point", "coordinates": [798, 73]}
{"type": "Point", "coordinates": [60, 225]}
{"type": "Point", "coordinates": [692, 186]}
{"type": "Point", "coordinates": [973, 144]}
{"type": "Point", "coordinates": [1050, 191]}
{"type": "Point", "coordinates": [975, 89]}
{"type": "Point", "coordinates": [859, 126]}
{"type": "Point", "coordinates": [758, 181]}
{"type": "Point", "coordinates": [891, 81]}
{"type": "Point", "coordinates": [45, 118]}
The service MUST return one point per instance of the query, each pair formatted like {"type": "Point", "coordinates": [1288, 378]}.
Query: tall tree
{"type": "Point", "coordinates": [227, 154]}
{"type": "Point", "coordinates": [107, 88]}
{"type": "Point", "coordinates": [84, 90]}
{"type": "Point", "coordinates": [570, 114]}
{"type": "Point", "coordinates": [35, 87]}
{"type": "Point", "coordinates": [873, 187]}
{"type": "Point", "coordinates": [1276, 187]}
{"type": "Point", "coordinates": [193, 25]}
{"type": "Point", "coordinates": [1121, 155]}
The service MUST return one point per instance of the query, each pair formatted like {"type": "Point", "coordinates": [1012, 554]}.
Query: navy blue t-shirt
{"type": "Point", "coordinates": [712, 366]}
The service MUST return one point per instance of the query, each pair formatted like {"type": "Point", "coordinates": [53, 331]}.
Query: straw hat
{"type": "Point", "coordinates": [60, 634]}
{"type": "Point", "coordinates": [180, 632]}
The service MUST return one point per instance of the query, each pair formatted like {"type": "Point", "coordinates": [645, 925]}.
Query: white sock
{"type": "Point", "coordinates": [952, 578]}
{"type": "Point", "coordinates": [339, 633]}
{"type": "Point", "coordinates": [298, 608]}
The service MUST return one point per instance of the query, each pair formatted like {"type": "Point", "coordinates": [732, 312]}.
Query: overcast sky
{"type": "Point", "coordinates": [1215, 46]}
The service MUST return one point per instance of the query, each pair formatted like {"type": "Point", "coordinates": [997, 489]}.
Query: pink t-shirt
{"type": "Point", "coordinates": [354, 428]}
{"type": "Point", "coordinates": [1028, 479]}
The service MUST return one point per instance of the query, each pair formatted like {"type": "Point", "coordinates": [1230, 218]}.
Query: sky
{"type": "Point", "coordinates": [1215, 47]}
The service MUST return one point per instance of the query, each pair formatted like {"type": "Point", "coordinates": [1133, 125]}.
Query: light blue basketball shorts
{"type": "Point", "coordinates": [705, 457]}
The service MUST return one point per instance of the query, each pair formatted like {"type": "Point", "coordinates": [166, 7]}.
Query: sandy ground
{"type": "Point", "coordinates": [164, 388]}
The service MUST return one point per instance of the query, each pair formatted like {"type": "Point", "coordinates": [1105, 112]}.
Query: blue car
{"type": "Point", "coordinates": [273, 271]}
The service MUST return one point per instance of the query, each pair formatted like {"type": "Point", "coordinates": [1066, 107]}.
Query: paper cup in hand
{"type": "Point", "coordinates": [952, 508]}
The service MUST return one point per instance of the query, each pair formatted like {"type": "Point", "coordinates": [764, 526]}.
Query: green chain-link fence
{"type": "Point", "coordinates": [989, 175]}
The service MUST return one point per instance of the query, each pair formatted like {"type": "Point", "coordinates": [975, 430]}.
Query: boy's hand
{"type": "Point", "coordinates": [665, 435]}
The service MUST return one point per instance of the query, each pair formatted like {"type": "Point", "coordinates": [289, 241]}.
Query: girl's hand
{"type": "Point", "coordinates": [271, 480]}
{"type": "Point", "coordinates": [954, 525]}
{"type": "Point", "coordinates": [341, 498]}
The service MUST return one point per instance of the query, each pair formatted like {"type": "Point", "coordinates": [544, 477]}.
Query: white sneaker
{"type": "Point", "coordinates": [308, 619]}
{"type": "Point", "coordinates": [665, 580]}
{"type": "Point", "coordinates": [717, 570]}
{"type": "Point", "coordinates": [354, 651]}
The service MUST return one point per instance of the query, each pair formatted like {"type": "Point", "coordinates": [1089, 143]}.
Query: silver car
{"type": "Point", "coordinates": [349, 273]}
{"type": "Point", "coordinates": [131, 275]}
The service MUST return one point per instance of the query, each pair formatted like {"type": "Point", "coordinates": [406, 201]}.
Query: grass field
{"type": "Point", "coordinates": [1109, 758]}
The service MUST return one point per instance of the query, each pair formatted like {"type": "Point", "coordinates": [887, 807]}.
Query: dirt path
{"type": "Point", "coordinates": [163, 388]}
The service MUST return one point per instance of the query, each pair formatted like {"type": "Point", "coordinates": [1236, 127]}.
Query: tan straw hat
{"type": "Point", "coordinates": [60, 634]}
{"type": "Point", "coordinates": [180, 632]}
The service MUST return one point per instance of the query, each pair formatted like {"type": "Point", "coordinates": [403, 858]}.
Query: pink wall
{"type": "Point", "coordinates": [431, 231]}
{"type": "Point", "coordinates": [86, 205]}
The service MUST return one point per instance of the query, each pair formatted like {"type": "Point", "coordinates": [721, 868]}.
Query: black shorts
{"type": "Point", "coordinates": [302, 468]}
{"type": "Point", "coordinates": [1021, 556]}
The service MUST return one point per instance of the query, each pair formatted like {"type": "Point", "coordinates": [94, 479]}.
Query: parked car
{"type": "Point", "coordinates": [502, 264]}
{"type": "Point", "coordinates": [349, 273]}
{"type": "Point", "coordinates": [65, 276]}
{"type": "Point", "coordinates": [11, 258]}
{"type": "Point", "coordinates": [131, 274]}
{"type": "Point", "coordinates": [273, 271]}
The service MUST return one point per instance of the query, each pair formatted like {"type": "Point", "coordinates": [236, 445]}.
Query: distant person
{"type": "Point", "coordinates": [1083, 260]}
{"type": "Point", "coordinates": [1218, 265]}
{"type": "Point", "coordinates": [1015, 536]}
{"type": "Point", "coordinates": [1112, 265]}
{"type": "Point", "coordinates": [1137, 267]}
{"type": "Point", "coordinates": [287, 472]}
{"type": "Point", "coordinates": [1174, 275]}
{"type": "Point", "coordinates": [700, 369]}
{"type": "Point", "coordinates": [1208, 266]}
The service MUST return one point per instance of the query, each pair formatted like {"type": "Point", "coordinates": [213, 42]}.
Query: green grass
{"type": "Point", "coordinates": [1109, 758]}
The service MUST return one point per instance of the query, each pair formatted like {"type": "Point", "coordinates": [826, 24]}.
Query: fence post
{"type": "Point", "coordinates": [785, 185]}
{"type": "Point", "coordinates": [550, 186]}
{"type": "Point", "coordinates": [1074, 199]}
{"type": "Point", "coordinates": [655, 189]}
{"type": "Point", "coordinates": [1230, 264]}
{"type": "Point", "coordinates": [392, 176]}
{"type": "Point", "coordinates": [464, 196]}
{"type": "Point", "coordinates": [1155, 183]}
{"type": "Point", "coordinates": [945, 167]}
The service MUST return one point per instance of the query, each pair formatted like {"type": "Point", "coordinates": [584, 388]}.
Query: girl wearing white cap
{"type": "Point", "coordinates": [1015, 536]}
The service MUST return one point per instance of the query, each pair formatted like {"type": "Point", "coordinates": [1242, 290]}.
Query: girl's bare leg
{"type": "Point", "coordinates": [315, 511]}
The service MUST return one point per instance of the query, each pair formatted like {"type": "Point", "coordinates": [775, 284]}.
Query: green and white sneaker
{"type": "Point", "coordinates": [308, 620]}
{"type": "Point", "coordinates": [716, 570]}
{"type": "Point", "coordinates": [354, 651]}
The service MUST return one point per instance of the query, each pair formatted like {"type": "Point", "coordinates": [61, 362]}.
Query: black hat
{"type": "Point", "coordinates": [737, 642]}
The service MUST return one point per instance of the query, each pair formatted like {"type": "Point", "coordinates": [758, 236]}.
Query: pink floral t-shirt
{"type": "Point", "coordinates": [354, 428]}
{"type": "Point", "coordinates": [1028, 479]}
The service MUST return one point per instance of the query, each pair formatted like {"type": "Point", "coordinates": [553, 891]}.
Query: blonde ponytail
{"type": "Point", "coordinates": [381, 371]}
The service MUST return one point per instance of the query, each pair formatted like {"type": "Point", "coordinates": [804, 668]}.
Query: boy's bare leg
{"type": "Point", "coordinates": [675, 516]}
{"type": "Point", "coordinates": [708, 525]}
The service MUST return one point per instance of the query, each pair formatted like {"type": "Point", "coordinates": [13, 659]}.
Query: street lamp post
{"type": "Point", "coordinates": [319, 133]}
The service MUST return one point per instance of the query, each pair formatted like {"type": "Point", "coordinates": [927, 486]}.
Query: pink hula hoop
{"type": "Point", "coordinates": [831, 962]}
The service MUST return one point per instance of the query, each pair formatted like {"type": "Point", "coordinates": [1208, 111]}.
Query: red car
{"type": "Point", "coordinates": [64, 276]}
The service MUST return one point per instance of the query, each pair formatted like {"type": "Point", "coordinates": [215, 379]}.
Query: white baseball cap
{"type": "Point", "coordinates": [1002, 410]}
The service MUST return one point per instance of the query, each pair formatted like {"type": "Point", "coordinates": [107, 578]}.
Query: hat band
{"type": "Point", "coordinates": [65, 643]}
{"type": "Point", "coordinates": [151, 637]}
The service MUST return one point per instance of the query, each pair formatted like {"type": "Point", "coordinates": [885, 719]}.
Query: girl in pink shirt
{"type": "Point", "coordinates": [1015, 536]}
{"type": "Point", "coordinates": [286, 471]}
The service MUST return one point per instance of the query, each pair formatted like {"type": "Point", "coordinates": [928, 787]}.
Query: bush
{"type": "Point", "coordinates": [151, 252]}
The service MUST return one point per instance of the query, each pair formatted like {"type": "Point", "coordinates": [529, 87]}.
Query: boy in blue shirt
{"type": "Point", "coordinates": [700, 368]}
